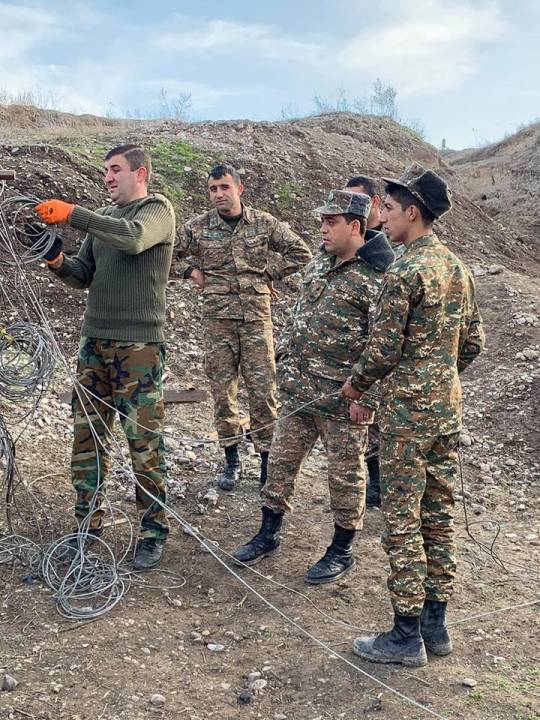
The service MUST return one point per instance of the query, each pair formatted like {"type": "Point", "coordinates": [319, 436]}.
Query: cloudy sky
{"type": "Point", "coordinates": [466, 70]}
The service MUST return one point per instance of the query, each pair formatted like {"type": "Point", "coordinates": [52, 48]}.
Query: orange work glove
{"type": "Point", "coordinates": [54, 211]}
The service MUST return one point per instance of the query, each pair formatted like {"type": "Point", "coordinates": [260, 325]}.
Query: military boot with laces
{"type": "Point", "coordinates": [403, 644]}
{"type": "Point", "coordinates": [337, 560]}
{"type": "Point", "coordinates": [148, 553]}
{"type": "Point", "coordinates": [266, 542]}
{"type": "Point", "coordinates": [434, 629]}
{"type": "Point", "coordinates": [227, 479]}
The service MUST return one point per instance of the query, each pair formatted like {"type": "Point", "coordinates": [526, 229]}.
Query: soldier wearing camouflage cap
{"type": "Point", "coordinates": [427, 329]}
{"type": "Point", "coordinates": [325, 334]}
{"type": "Point", "coordinates": [234, 253]}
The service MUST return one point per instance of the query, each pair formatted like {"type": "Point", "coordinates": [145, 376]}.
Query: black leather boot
{"type": "Point", "coordinates": [433, 628]}
{"type": "Point", "coordinates": [148, 553]}
{"type": "Point", "coordinates": [336, 561]}
{"type": "Point", "coordinates": [264, 468]}
{"type": "Point", "coordinates": [265, 543]}
{"type": "Point", "coordinates": [227, 479]}
{"type": "Point", "coordinates": [403, 644]}
{"type": "Point", "coordinates": [373, 492]}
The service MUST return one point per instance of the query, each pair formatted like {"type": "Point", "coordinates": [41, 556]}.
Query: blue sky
{"type": "Point", "coordinates": [467, 70]}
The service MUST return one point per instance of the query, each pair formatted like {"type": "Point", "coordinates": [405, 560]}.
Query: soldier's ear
{"type": "Point", "coordinates": [240, 188]}
{"type": "Point", "coordinates": [413, 213]}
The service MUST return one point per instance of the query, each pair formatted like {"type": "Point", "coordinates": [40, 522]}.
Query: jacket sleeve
{"type": "Point", "coordinates": [372, 397]}
{"type": "Point", "coordinates": [293, 250]}
{"type": "Point", "coordinates": [472, 341]}
{"type": "Point", "coordinates": [385, 344]}
{"type": "Point", "coordinates": [78, 271]}
{"type": "Point", "coordinates": [187, 246]}
{"type": "Point", "coordinates": [154, 225]}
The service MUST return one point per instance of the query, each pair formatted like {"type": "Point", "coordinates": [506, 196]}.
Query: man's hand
{"type": "Point", "coordinates": [359, 413]}
{"type": "Point", "coordinates": [273, 292]}
{"type": "Point", "coordinates": [198, 278]}
{"type": "Point", "coordinates": [349, 392]}
{"type": "Point", "coordinates": [54, 211]}
{"type": "Point", "coordinates": [35, 232]}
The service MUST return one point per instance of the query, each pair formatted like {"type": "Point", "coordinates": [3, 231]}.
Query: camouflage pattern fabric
{"type": "Point", "coordinates": [342, 202]}
{"type": "Point", "coordinates": [345, 444]}
{"type": "Point", "coordinates": [373, 441]}
{"type": "Point", "coordinates": [418, 478]}
{"type": "Point", "coordinates": [127, 376]}
{"type": "Point", "coordinates": [239, 263]}
{"type": "Point", "coordinates": [328, 328]}
{"type": "Point", "coordinates": [427, 329]}
{"type": "Point", "coordinates": [233, 347]}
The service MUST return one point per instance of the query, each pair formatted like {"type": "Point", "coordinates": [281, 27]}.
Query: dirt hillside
{"type": "Point", "coordinates": [504, 179]}
{"type": "Point", "coordinates": [199, 638]}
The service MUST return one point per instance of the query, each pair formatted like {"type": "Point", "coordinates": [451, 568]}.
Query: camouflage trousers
{"type": "Point", "coordinates": [128, 377]}
{"type": "Point", "coordinates": [233, 347]}
{"type": "Point", "coordinates": [418, 477]}
{"type": "Point", "coordinates": [345, 444]}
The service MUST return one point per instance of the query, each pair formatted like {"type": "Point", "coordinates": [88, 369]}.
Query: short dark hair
{"type": "Point", "coordinates": [219, 171]}
{"type": "Point", "coordinates": [135, 155]}
{"type": "Point", "coordinates": [370, 185]}
{"type": "Point", "coordinates": [349, 217]}
{"type": "Point", "coordinates": [405, 198]}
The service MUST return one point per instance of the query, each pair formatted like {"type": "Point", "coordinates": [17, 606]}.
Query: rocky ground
{"type": "Point", "coordinates": [504, 179]}
{"type": "Point", "coordinates": [197, 642]}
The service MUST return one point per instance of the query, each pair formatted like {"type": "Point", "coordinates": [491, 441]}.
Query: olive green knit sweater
{"type": "Point", "coordinates": [124, 262]}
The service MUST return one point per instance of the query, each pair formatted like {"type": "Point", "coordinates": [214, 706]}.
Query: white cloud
{"type": "Point", "coordinates": [251, 40]}
{"type": "Point", "coordinates": [426, 46]}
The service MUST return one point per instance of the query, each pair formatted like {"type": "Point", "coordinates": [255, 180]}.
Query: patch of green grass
{"type": "Point", "coordinates": [178, 168]}
{"type": "Point", "coordinates": [476, 698]}
{"type": "Point", "coordinates": [176, 160]}
{"type": "Point", "coordinates": [91, 154]}
{"type": "Point", "coordinates": [286, 192]}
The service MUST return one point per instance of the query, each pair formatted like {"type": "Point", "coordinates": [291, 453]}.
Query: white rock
{"type": "Point", "coordinates": [215, 647]}
{"type": "Point", "coordinates": [469, 682]}
{"type": "Point", "coordinates": [157, 700]}
{"type": "Point", "coordinates": [258, 685]}
{"type": "Point", "coordinates": [465, 439]}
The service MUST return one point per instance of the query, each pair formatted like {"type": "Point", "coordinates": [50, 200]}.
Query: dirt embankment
{"type": "Point", "coordinates": [504, 179]}
{"type": "Point", "coordinates": [158, 641]}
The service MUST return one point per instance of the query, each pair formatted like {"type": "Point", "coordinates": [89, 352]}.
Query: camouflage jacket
{"type": "Point", "coordinates": [328, 327]}
{"type": "Point", "coordinates": [238, 264]}
{"type": "Point", "coordinates": [426, 329]}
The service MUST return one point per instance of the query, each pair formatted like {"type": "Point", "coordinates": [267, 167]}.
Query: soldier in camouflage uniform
{"type": "Point", "coordinates": [233, 253]}
{"type": "Point", "coordinates": [325, 334]}
{"type": "Point", "coordinates": [370, 186]}
{"type": "Point", "coordinates": [124, 261]}
{"type": "Point", "coordinates": [427, 329]}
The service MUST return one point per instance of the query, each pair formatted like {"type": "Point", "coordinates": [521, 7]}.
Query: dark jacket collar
{"type": "Point", "coordinates": [376, 251]}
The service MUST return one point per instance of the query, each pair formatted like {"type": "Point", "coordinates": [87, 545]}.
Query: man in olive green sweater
{"type": "Point", "coordinates": [124, 262]}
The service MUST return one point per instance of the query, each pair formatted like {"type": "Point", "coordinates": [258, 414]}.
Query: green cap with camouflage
{"type": "Point", "coordinates": [342, 202]}
{"type": "Point", "coordinates": [427, 187]}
